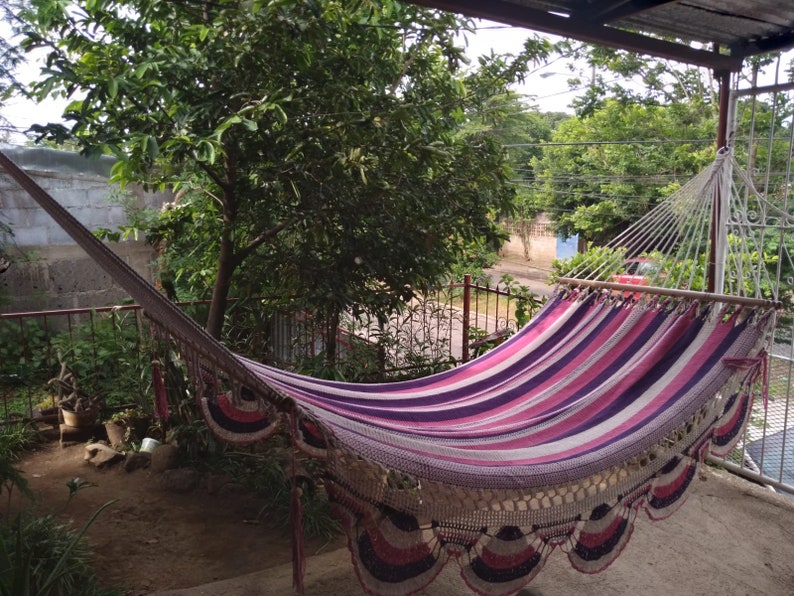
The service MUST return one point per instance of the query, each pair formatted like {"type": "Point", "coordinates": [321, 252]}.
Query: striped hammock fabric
{"type": "Point", "coordinates": [599, 408]}
{"type": "Point", "coordinates": [556, 438]}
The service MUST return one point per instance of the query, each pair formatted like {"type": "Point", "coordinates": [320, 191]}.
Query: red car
{"type": "Point", "coordinates": [637, 272]}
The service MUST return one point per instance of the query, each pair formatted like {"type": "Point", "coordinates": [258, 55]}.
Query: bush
{"type": "Point", "coordinates": [39, 556]}
{"type": "Point", "coordinates": [267, 474]}
{"type": "Point", "coordinates": [110, 358]}
{"type": "Point", "coordinates": [599, 263]}
{"type": "Point", "coordinates": [22, 362]}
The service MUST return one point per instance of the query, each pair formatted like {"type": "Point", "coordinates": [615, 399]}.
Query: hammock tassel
{"type": "Point", "coordinates": [160, 396]}
{"type": "Point", "coordinates": [759, 367]}
{"type": "Point", "coordinates": [296, 525]}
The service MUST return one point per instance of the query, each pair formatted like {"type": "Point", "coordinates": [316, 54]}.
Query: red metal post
{"type": "Point", "coordinates": [716, 207]}
{"type": "Point", "coordinates": [466, 315]}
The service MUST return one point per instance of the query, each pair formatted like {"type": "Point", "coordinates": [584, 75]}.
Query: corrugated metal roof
{"type": "Point", "coordinates": [739, 28]}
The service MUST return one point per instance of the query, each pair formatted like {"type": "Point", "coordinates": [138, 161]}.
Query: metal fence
{"type": "Point", "coordinates": [762, 143]}
{"type": "Point", "coordinates": [109, 350]}
{"type": "Point", "coordinates": [766, 452]}
{"type": "Point", "coordinates": [109, 347]}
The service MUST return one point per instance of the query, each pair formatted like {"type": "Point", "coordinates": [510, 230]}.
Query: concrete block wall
{"type": "Point", "coordinates": [537, 244]}
{"type": "Point", "coordinates": [48, 270]}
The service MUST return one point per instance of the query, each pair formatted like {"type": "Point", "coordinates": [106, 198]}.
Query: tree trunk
{"type": "Point", "coordinates": [223, 280]}
{"type": "Point", "coordinates": [331, 329]}
{"type": "Point", "coordinates": [227, 259]}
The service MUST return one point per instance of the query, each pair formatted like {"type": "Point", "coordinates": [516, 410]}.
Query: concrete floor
{"type": "Point", "coordinates": [730, 538]}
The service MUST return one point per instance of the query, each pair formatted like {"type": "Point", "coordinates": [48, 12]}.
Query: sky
{"type": "Point", "coordinates": [546, 86]}
{"type": "Point", "coordinates": [551, 92]}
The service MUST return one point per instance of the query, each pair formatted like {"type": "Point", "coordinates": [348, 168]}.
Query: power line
{"type": "Point", "coordinates": [635, 142]}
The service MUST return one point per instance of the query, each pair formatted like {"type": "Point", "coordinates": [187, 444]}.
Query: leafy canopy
{"type": "Point", "coordinates": [605, 171]}
{"type": "Point", "coordinates": [315, 145]}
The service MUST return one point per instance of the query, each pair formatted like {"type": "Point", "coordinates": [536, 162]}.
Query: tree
{"type": "Point", "coordinates": [633, 78]}
{"type": "Point", "coordinates": [604, 171]}
{"type": "Point", "coordinates": [521, 129]}
{"type": "Point", "coordinates": [313, 145]}
{"type": "Point", "coordinates": [10, 57]}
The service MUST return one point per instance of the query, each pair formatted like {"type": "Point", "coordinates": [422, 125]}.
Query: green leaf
{"type": "Point", "coordinates": [151, 147]}
{"type": "Point", "coordinates": [206, 152]}
{"type": "Point", "coordinates": [281, 115]}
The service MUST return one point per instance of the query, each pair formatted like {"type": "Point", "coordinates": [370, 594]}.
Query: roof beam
{"type": "Point", "coordinates": [779, 43]}
{"type": "Point", "coordinates": [521, 16]}
{"type": "Point", "coordinates": [608, 11]}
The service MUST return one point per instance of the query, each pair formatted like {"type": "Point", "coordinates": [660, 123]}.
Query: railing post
{"type": "Point", "coordinates": [466, 314]}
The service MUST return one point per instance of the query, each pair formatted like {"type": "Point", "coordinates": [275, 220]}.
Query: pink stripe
{"type": "Point", "coordinates": [649, 411]}
{"type": "Point", "coordinates": [577, 379]}
{"type": "Point", "coordinates": [597, 401]}
{"type": "Point", "coordinates": [520, 418]}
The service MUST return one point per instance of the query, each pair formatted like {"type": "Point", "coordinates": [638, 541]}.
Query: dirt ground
{"type": "Point", "coordinates": [151, 538]}
{"type": "Point", "coordinates": [730, 537]}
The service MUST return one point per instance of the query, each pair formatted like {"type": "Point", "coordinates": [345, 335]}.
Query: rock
{"type": "Point", "coordinates": [49, 434]}
{"type": "Point", "coordinates": [101, 455]}
{"type": "Point", "coordinates": [181, 480]}
{"type": "Point", "coordinates": [70, 434]}
{"type": "Point", "coordinates": [137, 460]}
{"type": "Point", "coordinates": [165, 457]}
{"type": "Point", "coordinates": [223, 484]}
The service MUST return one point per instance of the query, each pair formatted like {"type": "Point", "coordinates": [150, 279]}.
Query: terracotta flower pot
{"type": "Point", "coordinates": [79, 419]}
{"type": "Point", "coordinates": [116, 433]}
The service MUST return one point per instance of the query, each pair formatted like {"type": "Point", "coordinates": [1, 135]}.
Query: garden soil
{"type": "Point", "coordinates": [729, 538]}
{"type": "Point", "coordinates": [153, 538]}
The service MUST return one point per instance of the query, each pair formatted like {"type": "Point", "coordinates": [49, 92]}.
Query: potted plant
{"type": "Point", "coordinates": [126, 425]}
{"type": "Point", "coordinates": [78, 409]}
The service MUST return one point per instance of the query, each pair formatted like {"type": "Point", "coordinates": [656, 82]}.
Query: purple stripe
{"type": "Point", "coordinates": [390, 409]}
{"type": "Point", "coordinates": [522, 393]}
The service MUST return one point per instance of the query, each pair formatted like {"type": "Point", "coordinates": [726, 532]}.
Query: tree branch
{"type": "Point", "coordinates": [255, 243]}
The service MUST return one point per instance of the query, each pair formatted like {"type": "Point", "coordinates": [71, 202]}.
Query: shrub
{"type": "Point", "coordinates": [110, 357]}
{"type": "Point", "coordinates": [39, 556]}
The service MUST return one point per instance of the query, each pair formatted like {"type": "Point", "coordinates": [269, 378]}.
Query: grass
{"type": "Point", "coordinates": [38, 554]}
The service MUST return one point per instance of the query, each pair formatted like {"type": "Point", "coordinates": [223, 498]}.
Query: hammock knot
{"type": "Point", "coordinates": [758, 367]}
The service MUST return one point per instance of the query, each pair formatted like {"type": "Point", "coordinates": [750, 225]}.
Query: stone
{"type": "Point", "coordinates": [136, 461]}
{"type": "Point", "coordinates": [180, 480]}
{"type": "Point", "coordinates": [165, 457]}
{"type": "Point", "coordinates": [101, 455]}
{"type": "Point", "coordinates": [232, 488]}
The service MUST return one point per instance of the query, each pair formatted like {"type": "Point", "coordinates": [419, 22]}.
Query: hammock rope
{"type": "Point", "coordinates": [602, 406]}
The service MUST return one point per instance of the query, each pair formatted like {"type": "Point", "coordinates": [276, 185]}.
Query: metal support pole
{"type": "Point", "coordinates": [719, 212]}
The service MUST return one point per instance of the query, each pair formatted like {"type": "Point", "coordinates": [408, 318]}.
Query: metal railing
{"type": "Point", "coordinates": [438, 329]}
{"type": "Point", "coordinates": [765, 454]}
{"type": "Point", "coordinates": [110, 352]}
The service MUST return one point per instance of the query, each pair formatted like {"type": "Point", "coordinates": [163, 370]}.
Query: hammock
{"type": "Point", "coordinates": [603, 405]}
